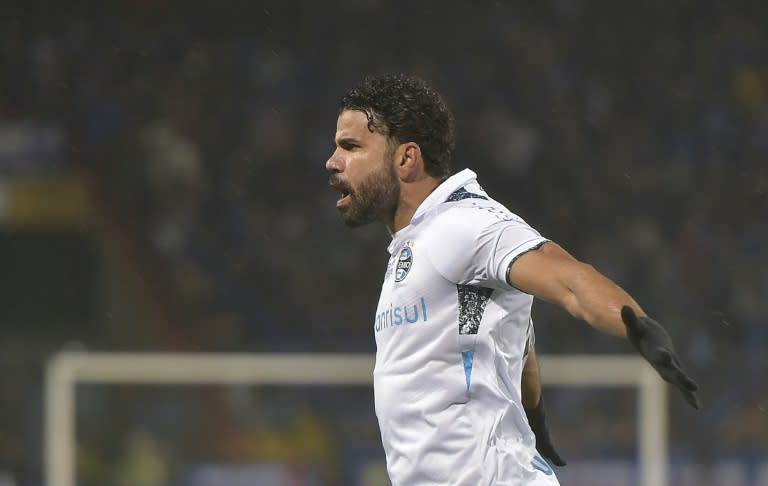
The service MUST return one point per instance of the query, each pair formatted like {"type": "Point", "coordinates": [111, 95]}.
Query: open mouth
{"type": "Point", "coordinates": [345, 197]}
{"type": "Point", "coordinates": [345, 192]}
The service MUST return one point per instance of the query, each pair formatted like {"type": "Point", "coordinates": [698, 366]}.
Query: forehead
{"type": "Point", "coordinates": [354, 124]}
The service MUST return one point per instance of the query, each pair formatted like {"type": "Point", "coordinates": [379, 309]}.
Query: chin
{"type": "Point", "coordinates": [357, 220]}
{"type": "Point", "coordinates": [355, 223]}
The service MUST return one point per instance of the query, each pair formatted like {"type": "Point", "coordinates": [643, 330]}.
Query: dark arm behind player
{"type": "Point", "coordinates": [534, 408]}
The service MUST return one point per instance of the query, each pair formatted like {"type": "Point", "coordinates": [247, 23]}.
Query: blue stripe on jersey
{"type": "Point", "coordinates": [541, 465]}
{"type": "Point", "coordinates": [472, 302]}
{"type": "Point", "coordinates": [468, 357]}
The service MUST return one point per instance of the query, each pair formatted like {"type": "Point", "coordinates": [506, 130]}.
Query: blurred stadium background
{"type": "Point", "coordinates": [162, 188]}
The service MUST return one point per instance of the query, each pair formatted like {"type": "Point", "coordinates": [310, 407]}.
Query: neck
{"type": "Point", "coordinates": [412, 194]}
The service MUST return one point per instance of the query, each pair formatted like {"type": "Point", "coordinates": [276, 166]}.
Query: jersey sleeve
{"type": "Point", "coordinates": [476, 245]}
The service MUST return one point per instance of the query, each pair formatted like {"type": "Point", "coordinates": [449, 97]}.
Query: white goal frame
{"type": "Point", "coordinates": [66, 370]}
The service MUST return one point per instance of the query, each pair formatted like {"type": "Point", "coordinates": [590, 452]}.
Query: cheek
{"type": "Point", "coordinates": [358, 170]}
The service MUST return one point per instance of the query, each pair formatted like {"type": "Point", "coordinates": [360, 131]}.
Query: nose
{"type": "Point", "coordinates": [334, 164]}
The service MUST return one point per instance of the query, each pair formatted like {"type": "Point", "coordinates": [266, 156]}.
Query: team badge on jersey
{"type": "Point", "coordinates": [404, 263]}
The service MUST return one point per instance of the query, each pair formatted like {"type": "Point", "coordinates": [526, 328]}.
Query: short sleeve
{"type": "Point", "coordinates": [510, 248]}
{"type": "Point", "coordinates": [476, 245]}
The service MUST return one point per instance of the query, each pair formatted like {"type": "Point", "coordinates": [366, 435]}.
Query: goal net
{"type": "Point", "coordinates": [67, 370]}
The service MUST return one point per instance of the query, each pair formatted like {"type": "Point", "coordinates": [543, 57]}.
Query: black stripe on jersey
{"type": "Point", "coordinates": [472, 301]}
{"type": "Point", "coordinates": [506, 275]}
{"type": "Point", "coordinates": [462, 193]}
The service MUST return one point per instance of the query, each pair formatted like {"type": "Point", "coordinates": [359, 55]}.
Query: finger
{"type": "Point", "coordinates": [662, 362]}
{"type": "Point", "coordinates": [556, 459]}
{"type": "Point", "coordinates": [691, 398]}
{"type": "Point", "coordinates": [664, 358]}
{"type": "Point", "coordinates": [629, 317]}
{"type": "Point", "coordinates": [681, 379]}
{"type": "Point", "coordinates": [550, 453]}
{"type": "Point", "coordinates": [682, 382]}
{"type": "Point", "coordinates": [671, 371]}
{"type": "Point", "coordinates": [670, 374]}
{"type": "Point", "coordinates": [687, 387]}
{"type": "Point", "coordinates": [687, 382]}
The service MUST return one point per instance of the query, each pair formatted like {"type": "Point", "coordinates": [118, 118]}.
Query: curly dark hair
{"type": "Point", "coordinates": [405, 108]}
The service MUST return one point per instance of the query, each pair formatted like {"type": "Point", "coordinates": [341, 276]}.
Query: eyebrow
{"type": "Point", "coordinates": [347, 141]}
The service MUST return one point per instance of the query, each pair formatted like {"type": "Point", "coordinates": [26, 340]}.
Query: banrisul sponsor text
{"type": "Point", "coordinates": [398, 315]}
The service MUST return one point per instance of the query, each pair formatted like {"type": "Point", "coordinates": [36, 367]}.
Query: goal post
{"type": "Point", "coordinates": [66, 370]}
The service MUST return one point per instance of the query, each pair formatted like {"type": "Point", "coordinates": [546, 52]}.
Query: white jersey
{"type": "Point", "coordinates": [451, 338]}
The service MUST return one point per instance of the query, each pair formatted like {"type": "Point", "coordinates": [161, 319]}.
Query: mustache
{"type": "Point", "coordinates": [336, 181]}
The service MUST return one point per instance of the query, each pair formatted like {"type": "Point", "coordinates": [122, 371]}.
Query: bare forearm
{"type": "Point", "coordinates": [598, 300]}
{"type": "Point", "coordinates": [552, 274]}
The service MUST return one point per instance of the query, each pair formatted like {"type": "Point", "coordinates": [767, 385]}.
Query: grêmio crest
{"type": "Point", "coordinates": [404, 263]}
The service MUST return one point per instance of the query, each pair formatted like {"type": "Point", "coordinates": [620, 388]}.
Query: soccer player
{"type": "Point", "coordinates": [453, 326]}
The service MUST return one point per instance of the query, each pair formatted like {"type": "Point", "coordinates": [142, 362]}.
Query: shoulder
{"type": "Point", "coordinates": [472, 228]}
{"type": "Point", "coordinates": [468, 238]}
{"type": "Point", "coordinates": [472, 213]}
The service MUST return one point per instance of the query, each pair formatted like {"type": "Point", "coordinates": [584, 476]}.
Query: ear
{"type": "Point", "coordinates": [408, 161]}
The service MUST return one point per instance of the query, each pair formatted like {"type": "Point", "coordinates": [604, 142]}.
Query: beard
{"type": "Point", "coordinates": [375, 199]}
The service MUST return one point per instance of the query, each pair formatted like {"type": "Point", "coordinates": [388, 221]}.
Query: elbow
{"type": "Point", "coordinates": [579, 280]}
{"type": "Point", "coordinates": [571, 304]}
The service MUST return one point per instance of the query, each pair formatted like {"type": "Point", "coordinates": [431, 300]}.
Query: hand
{"type": "Point", "coordinates": [655, 345]}
{"type": "Point", "coordinates": [541, 431]}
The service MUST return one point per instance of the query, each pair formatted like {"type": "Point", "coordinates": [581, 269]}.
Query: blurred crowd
{"type": "Point", "coordinates": [636, 136]}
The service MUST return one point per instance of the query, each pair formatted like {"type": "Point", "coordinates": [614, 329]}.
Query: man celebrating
{"type": "Point", "coordinates": [453, 326]}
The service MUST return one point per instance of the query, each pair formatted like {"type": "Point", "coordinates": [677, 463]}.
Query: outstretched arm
{"type": "Point", "coordinates": [552, 274]}
{"type": "Point", "coordinates": [534, 409]}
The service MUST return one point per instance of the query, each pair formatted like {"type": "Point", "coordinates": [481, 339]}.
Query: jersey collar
{"type": "Point", "coordinates": [441, 192]}
{"type": "Point", "coordinates": [439, 195]}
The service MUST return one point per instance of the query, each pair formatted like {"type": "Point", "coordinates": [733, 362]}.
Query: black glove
{"type": "Point", "coordinates": [655, 345]}
{"type": "Point", "coordinates": [540, 430]}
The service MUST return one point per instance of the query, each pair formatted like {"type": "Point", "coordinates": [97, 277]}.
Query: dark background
{"type": "Point", "coordinates": [162, 187]}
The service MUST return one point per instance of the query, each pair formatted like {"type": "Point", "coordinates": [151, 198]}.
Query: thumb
{"type": "Point", "coordinates": [556, 459]}
{"type": "Point", "coordinates": [547, 450]}
{"type": "Point", "coordinates": [630, 319]}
